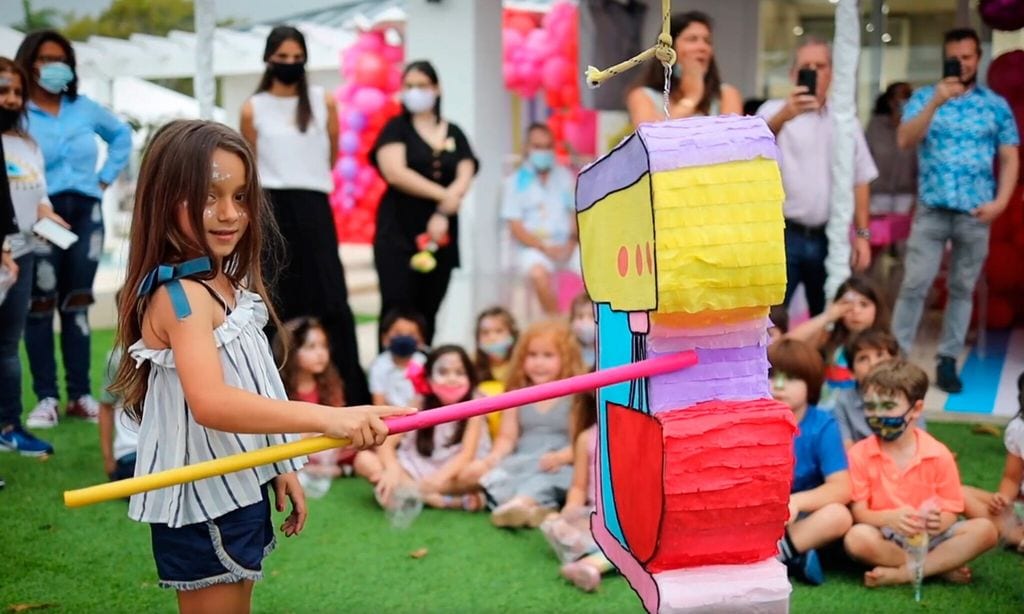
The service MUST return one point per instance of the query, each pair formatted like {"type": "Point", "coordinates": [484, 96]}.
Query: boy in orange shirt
{"type": "Point", "coordinates": [904, 483]}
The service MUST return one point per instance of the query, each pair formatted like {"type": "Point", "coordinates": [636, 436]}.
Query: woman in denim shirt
{"type": "Point", "coordinates": [65, 124]}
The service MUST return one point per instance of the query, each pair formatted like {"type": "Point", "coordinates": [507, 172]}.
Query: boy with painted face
{"type": "Point", "coordinates": [905, 483]}
{"type": "Point", "coordinates": [821, 482]}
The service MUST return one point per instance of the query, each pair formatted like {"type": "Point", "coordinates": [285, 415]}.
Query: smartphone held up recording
{"type": "Point", "coordinates": [951, 68]}
{"type": "Point", "coordinates": [808, 77]}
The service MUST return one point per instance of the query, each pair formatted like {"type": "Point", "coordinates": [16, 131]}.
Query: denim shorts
{"type": "Point", "coordinates": [224, 550]}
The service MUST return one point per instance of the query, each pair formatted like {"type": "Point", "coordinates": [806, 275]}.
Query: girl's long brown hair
{"type": "Point", "coordinates": [583, 415]}
{"type": "Point", "coordinates": [176, 169]}
{"type": "Point", "coordinates": [865, 286]}
{"type": "Point", "coordinates": [561, 335]}
{"type": "Point", "coordinates": [329, 386]}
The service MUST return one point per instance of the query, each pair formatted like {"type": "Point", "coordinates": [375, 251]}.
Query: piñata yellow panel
{"type": "Point", "coordinates": [617, 267]}
{"type": "Point", "coordinates": [717, 238]}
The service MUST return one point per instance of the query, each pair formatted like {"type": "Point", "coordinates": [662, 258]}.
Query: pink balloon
{"type": "Point", "coordinates": [392, 53]}
{"type": "Point", "coordinates": [557, 72]}
{"type": "Point", "coordinates": [539, 43]}
{"type": "Point", "coordinates": [511, 39]}
{"type": "Point", "coordinates": [369, 99]}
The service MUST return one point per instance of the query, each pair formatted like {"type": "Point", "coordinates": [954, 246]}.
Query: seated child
{"type": "Point", "coordinates": [905, 484]}
{"type": "Point", "coordinates": [821, 482]}
{"type": "Point", "coordinates": [528, 471]}
{"type": "Point", "coordinates": [432, 461]}
{"type": "Point", "coordinates": [569, 531]}
{"type": "Point", "coordinates": [119, 433]}
{"type": "Point", "coordinates": [1005, 507]}
{"type": "Point", "coordinates": [581, 318]}
{"type": "Point", "coordinates": [858, 306]}
{"type": "Point", "coordinates": [496, 334]}
{"type": "Point", "coordinates": [309, 375]}
{"type": "Point", "coordinates": [403, 338]}
{"type": "Point", "coordinates": [863, 352]}
{"type": "Point", "coordinates": [389, 382]}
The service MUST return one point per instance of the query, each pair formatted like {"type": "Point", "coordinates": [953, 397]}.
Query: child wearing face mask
{"type": "Point", "coordinates": [581, 319]}
{"type": "Point", "coordinates": [905, 485]}
{"type": "Point", "coordinates": [402, 338]}
{"type": "Point", "coordinates": [859, 305]}
{"type": "Point", "coordinates": [538, 206]}
{"type": "Point", "coordinates": [433, 461]}
{"type": "Point", "coordinates": [496, 334]}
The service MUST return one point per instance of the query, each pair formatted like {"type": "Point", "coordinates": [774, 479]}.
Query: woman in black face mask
{"type": "Point", "coordinates": [25, 189]}
{"type": "Point", "coordinates": [293, 127]}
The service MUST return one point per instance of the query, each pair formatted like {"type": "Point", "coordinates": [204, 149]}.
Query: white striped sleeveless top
{"type": "Point", "coordinates": [170, 437]}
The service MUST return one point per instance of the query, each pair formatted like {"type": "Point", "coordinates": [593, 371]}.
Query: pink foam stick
{"type": "Point", "coordinates": [542, 392]}
{"type": "Point", "coordinates": [398, 424]}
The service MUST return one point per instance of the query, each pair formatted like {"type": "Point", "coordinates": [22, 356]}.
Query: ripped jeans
{"type": "Point", "coordinates": [63, 281]}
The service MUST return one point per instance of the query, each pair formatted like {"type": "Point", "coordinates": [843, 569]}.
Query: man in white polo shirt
{"type": "Point", "coordinates": [803, 128]}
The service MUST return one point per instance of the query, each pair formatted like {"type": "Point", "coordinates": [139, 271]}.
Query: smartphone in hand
{"type": "Point", "coordinates": [54, 233]}
{"type": "Point", "coordinates": [951, 68]}
{"type": "Point", "coordinates": [808, 77]}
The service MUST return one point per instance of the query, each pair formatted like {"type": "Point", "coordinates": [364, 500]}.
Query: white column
{"type": "Point", "coordinates": [203, 83]}
{"type": "Point", "coordinates": [462, 38]}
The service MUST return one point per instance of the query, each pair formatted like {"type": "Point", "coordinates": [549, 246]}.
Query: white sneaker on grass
{"type": "Point", "coordinates": [43, 415]}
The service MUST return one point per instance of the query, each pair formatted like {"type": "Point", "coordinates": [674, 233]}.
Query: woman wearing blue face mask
{"type": "Point", "coordinates": [428, 165]}
{"type": "Point", "coordinates": [65, 124]}
{"type": "Point", "coordinates": [292, 126]}
{"type": "Point", "coordinates": [538, 204]}
{"type": "Point", "coordinates": [696, 87]}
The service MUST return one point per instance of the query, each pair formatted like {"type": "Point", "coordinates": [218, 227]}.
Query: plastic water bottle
{"type": "Point", "coordinates": [405, 506]}
{"type": "Point", "coordinates": [315, 484]}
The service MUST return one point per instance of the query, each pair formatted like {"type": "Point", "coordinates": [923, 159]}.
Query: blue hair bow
{"type": "Point", "coordinates": [170, 275]}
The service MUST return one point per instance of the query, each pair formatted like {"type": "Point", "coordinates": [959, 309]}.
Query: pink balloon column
{"type": "Point", "coordinates": [542, 54]}
{"type": "Point", "coordinates": [372, 71]}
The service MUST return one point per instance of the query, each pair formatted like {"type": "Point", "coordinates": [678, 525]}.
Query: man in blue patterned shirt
{"type": "Point", "coordinates": [959, 128]}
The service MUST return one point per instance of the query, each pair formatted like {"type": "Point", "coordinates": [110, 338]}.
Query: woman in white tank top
{"type": "Point", "coordinates": [696, 87]}
{"type": "Point", "coordinates": [293, 126]}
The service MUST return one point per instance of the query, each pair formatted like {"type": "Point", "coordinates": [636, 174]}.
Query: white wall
{"type": "Point", "coordinates": [462, 38]}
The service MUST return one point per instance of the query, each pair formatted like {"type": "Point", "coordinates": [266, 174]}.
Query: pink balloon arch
{"type": "Point", "coordinates": [540, 53]}
{"type": "Point", "coordinates": [372, 72]}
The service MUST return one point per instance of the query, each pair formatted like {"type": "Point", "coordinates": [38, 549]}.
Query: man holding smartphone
{"type": "Point", "coordinates": [802, 124]}
{"type": "Point", "coordinates": [959, 127]}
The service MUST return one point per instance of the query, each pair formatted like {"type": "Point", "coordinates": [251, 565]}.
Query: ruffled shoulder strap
{"type": "Point", "coordinates": [170, 275]}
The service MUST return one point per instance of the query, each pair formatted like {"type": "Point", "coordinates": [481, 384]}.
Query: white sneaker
{"type": "Point", "coordinates": [44, 415]}
{"type": "Point", "coordinates": [85, 407]}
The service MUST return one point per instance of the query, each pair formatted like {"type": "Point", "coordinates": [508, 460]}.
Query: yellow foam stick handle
{"type": "Point", "coordinates": [199, 471]}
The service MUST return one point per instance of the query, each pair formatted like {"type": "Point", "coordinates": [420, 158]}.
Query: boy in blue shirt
{"type": "Point", "coordinates": [821, 482]}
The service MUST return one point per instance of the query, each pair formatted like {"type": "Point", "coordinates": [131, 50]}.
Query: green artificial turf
{"type": "Point", "coordinates": [349, 559]}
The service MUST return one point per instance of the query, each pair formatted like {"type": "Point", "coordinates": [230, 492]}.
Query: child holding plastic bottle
{"type": "Point", "coordinates": [906, 482]}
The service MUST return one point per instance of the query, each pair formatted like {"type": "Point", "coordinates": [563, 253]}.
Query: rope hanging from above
{"type": "Point", "coordinates": [662, 50]}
